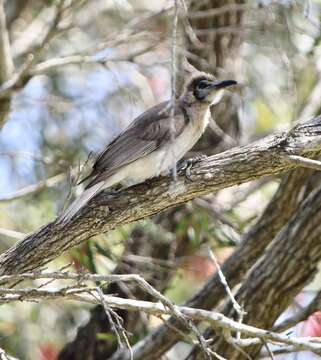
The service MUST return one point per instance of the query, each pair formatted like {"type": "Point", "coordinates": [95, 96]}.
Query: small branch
{"type": "Point", "coordinates": [6, 62]}
{"type": "Point", "coordinates": [173, 78]}
{"type": "Point", "coordinates": [305, 162]}
{"type": "Point", "coordinates": [5, 356]}
{"type": "Point", "coordinates": [217, 320]}
{"type": "Point", "coordinates": [238, 308]}
{"type": "Point", "coordinates": [34, 188]}
{"type": "Point", "coordinates": [116, 323]}
{"type": "Point", "coordinates": [12, 234]}
{"type": "Point", "coordinates": [313, 104]}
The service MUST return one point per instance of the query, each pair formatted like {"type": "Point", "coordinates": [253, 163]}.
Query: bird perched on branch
{"type": "Point", "coordinates": [155, 141]}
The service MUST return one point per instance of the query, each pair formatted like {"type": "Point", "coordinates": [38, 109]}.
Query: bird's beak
{"type": "Point", "coordinates": [223, 84]}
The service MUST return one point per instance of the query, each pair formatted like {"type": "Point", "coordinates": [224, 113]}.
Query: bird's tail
{"type": "Point", "coordinates": [80, 202]}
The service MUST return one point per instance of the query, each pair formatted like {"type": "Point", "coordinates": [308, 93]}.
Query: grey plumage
{"type": "Point", "coordinates": [152, 144]}
{"type": "Point", "coordinates": [145, 134]}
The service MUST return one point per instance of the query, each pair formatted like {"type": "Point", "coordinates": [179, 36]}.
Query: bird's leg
{"type": "Point", "coordinates": [185, 165]}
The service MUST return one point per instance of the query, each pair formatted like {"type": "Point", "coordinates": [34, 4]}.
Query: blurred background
{"type": "Point", "coordinates": [100, 63]}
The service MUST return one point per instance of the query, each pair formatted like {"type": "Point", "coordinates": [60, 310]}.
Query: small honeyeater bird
{"type": "Point", "coordinates": [155, 141]}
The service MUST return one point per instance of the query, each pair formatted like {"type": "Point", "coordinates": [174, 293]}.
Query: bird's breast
{"type": "Point", "coordinates": [164, 158]}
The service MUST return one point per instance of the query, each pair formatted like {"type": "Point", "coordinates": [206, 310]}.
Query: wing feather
{"type": "Point", "coordinates": [146, 134]}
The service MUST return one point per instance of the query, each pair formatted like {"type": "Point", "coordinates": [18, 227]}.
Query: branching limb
{"type": "Point", "coordinates": [253, 245]}
{"type": "Point", "coordinates": [108, 210]}
{"type": "Point", "coordinates": [217, 320]}
{"type": "Point", "coordinates": [34, 188]}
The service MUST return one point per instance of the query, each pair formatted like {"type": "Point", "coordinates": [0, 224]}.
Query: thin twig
{"type": "Point", "coordinates": [173, 79]}
{"type": "Point", "coordinates": [115, 323]}
{"type": "Point", "coordinates": [305, 162]}
{"type": "Point", "coordinates": [238, 308]}
{"type": "Point", "coordinates": [34, 188]}
{"type": "Point", "coordinates": [217, 320]}
{"type": "Point", "coordinates": [12, 234]}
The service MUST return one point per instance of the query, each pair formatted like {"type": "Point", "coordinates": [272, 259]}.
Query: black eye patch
{"type": "Point", "coordinates": [203, 84]}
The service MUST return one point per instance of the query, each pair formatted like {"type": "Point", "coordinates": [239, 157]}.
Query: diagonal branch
{"type": "Point", "coordinates": [109, 210]}
{"type": "Point", "coordinates": [217, 320]}
{"type": "Point", "coordinates": [253, 245]}
{"type": "Point", "coordinates": [6, 62]}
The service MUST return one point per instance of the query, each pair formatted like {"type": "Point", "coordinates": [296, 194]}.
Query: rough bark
{"type": "Point", "coordinates": [287, 266]}
{"type": "Point", "coordinates": [210, 143]}
{"type": "Point", "coordinates": [254, 242]}
{"type": "Point", "coordinates": [109, 210]}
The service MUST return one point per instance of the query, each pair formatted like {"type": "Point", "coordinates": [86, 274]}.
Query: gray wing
{"type": "Point", "coordinates": [145, 135]}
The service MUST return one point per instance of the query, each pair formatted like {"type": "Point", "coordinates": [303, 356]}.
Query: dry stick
{"type": "Point", "coordinates": [269, 351]}
{"type": "Point", "coordinates": [237, 307]}
{"type": "Point", "coordinates": [143, 284]}
{"type": "Point", "coordinates": [5, 356]}
{"type": "Point", "coordinates": [216, 355]}
{"type": "Point", "coordinates": [253, 244]}
{"type": "Point", "coordinates": [304, 162]}
{"type": "Point", "coordinates": [235, 343]}
{"type": "Point", "coordinates": [173, 82]}
{"type": "Point", "coordinates": [34, 188]}
{"type": "Point", "coordinates": [19, 78]}
{"type": "Point", "coordinates": [116, 326]}
{"type": "Point", "coordinates": [217, 320]}
{"type": "Point", "coordinates": [12, 234]}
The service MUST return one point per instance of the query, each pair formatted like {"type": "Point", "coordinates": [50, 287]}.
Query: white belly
{"type": "Point", "coordinates": [162, 160]}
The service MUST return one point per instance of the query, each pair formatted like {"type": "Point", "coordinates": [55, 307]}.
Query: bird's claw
{"type": "Point", "coordinates": [186, 165]}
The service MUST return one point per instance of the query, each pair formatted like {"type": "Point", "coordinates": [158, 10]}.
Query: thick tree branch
{"type": "Point", "coordinates": [109, 210]}
{"type": "Point", "coordinates": [290, 263]}
{"type": "Point", "coordinates": [253, 244]}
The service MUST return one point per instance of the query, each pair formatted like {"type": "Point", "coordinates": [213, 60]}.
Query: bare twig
{"type": "Point", "coordinates": [34, 188]}
{"type": "Point", "coordinates": [173, 78]}
{"type": "Point", "coordinates": [238, 308]}
{"type": "Point", "coordinates": [12, 234]}
{"type": "Point", "coordinates": [313, 104]}
{"type": "Point", "coordinates": [305, 162]}
{"type": "Point", "coordinates": [217, 320]}
{"type": "Point", "coordinates": [5, 356]}
{"type": "Point", "coordinates": [115, 323]}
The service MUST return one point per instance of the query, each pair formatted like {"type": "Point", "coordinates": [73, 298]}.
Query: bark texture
{"type": "Point", "coordinates": [253, 245]}
{"type": "Point", "coordinates": [107, 210]}
{"type": "Point", "coordinates": [288, 264]}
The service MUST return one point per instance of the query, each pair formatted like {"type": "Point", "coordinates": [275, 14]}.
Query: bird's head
{"type": "Point", "coordinates": [205, 88]}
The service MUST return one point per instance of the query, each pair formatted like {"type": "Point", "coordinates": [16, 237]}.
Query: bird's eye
{"type": "Point", "coordinates": [202, 84]}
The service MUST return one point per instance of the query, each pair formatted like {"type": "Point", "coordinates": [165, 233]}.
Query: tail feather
{"type": "Point", "coordinates": [82, 200]}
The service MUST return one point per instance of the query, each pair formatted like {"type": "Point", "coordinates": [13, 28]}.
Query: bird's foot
{"type": "Point", "coordinates": [186, 165]}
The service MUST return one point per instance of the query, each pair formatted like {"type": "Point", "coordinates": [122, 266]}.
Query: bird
{"type": "Point", "coordinates": [155, 141]}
